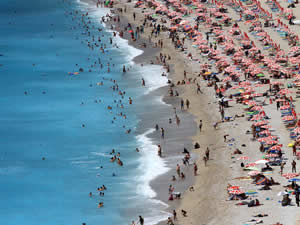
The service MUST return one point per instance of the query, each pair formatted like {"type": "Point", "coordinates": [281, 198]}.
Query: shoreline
{"type": "Point", "coordinates": [164, 180]}
{"type": "Point", "coordinates": [159, 183]}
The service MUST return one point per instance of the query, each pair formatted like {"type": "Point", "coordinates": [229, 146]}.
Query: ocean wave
{"type": "Point", "coordinates": [151, 166]}
{"type": "Point", "coordinates": [152, 75]}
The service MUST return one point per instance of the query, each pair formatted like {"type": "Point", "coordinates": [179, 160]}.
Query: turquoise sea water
{"type": "Point", "coordinates": [42, 116]}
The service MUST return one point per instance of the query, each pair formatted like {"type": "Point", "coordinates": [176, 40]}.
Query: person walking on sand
{"type": "Point", "coordinates": [174, 215]}
{"type": "Point", "coordinates": [178, 170]}
{"type": "Point", "coordinates": [207, 153]}
{"type": "Point", "coordinates": [282, 167]}
{"type": "Point", "coordinates": [200, 125]}
{"type": "Point", "coordinates": [297, 198]}
{"type": "Point", "coordinates": [204, 160]}
{"type": "Point", "coordinates": [187, 102]}
{"type": "Point", "coordinates": [171, 189]}
{"type": "Point", "coordinates": [182, 104]}
{"type": "Point", "coordinates": [222, 113]}
{"type": "Point", "coordinates": [177, 120]}
{"type": "Point", "coordinates": [293, 166]}
{"type": "Point", "coordinates": [195, 169]}
{"type": "Point", "coordinates": [294, 150]}
{"type": "Point", "coordinates": [215, 125]}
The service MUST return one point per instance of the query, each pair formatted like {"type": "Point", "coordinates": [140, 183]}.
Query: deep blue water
{"type": "Point", "coordinates": [39, 48]}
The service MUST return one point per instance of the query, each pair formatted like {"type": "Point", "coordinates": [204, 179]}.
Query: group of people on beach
{"type": "Point", "coordinates": [156, 29]}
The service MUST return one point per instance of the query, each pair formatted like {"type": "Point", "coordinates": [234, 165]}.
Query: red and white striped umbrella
{"type": "Point", "coordinates": [276, 147]}
{"type": "Point", "coordinates": [288, 118]}
{"type": "Point", "coordinates": [234, 188]}
{"type": "Point", "coordinates": [271, 155]}
{"type": "Point", "coordinates": [267, 132]}
{"type": "Point", "coordinates": [266, 126]}
{"type": "Point", "coordinates": [297, 130]}
{"type": "Point", "coordinates": [285, 107]}
{"type": "Point", "coordinates": [260, 123]}
{"type": "Point", "coordinates": [243, 158]}
{"type": "Point", "coordinates": [290, 175]}
{"type": "Point", "coordinates": [254, 173]}
{"type": "Point", "coordinates": [250, 165]}
{"type": "Point", "coordinates": [236, 192]}
{"type": "Point", "coordinates": [271, 142]}
{"type": "Point", "coordinates": [257, 108]}
{"type": "Point", "coordinates": [284, 92]}
{"type": "Point", "coordinates": [257, 117]}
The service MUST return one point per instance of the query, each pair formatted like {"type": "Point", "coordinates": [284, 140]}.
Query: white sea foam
{"type": "Point", "coordinates": [82, 3]}
{"type": "Point", "coordinates": [151, 166]}
{"type": "Point", "coordinates": [101, 154]}
{"type": "Point", "coordinates": [152, 75]}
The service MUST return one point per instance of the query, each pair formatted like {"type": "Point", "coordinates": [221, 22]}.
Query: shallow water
{"type": "Point", "coordinates": [39, 49]}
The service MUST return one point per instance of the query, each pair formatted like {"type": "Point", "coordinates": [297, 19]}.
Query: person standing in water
{"type": "Point", "coordinates": [162, 133]}
{"type": "Point", "coordinates": [143, 82]}
{"type": "Point", "coordinates": [200, 125]}
{"type": "Point", "coordinates": [141, 220]}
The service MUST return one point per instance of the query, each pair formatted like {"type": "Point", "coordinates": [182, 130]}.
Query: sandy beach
{"type": "Point", "coordinates": [192, 63]}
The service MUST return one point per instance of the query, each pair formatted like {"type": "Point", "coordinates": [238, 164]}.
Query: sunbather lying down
{"type": "Point", "coordinates": [260, 215]}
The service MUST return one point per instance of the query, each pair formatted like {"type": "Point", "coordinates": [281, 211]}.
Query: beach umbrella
{"type": "Point", "coordinates": [284, 91]}
{"type": "Point", "coordinates": [260, 123]}
{"type": "Point", "coordinates": [252, 168]}
{"type": "Point", "coordinates": [285, 107]}
{"type": "Point", "coordinates": [257, 108]}
{"type": "Point", "coordinates": [253, 173]}
{"type": "Point", "coordinates": [236, 192]}
{"type": "Point", "coordinates": [271, 142]}
{"type": "Point", "coordinates": [267, 132]}
{"type": "Point", "coordinates": [294, 179]}
{"type": "Point", "coordinates": [234, 188]}
{"type": "Point", "coordinates": [288, 118]}
{"type": "Point", "coordinates": [251, 192]}
{"type": "Point", "coordinates": [297, 130]}
{"type": "Point", "coordinates": [271, 155]}
{"type": "Point", "coordinates": [250, 165]}
{"type": "Point", "coordinates": [262, 161]}
{"type": "Point", "coordinates": [266, 126]}
{"type": "Point", "coordinates": [281, 193]}
{"type": "Point", "coordinates": [243, 158]}
{"type": "Point", "coordinates": [257, 117]}
{"type": "Point", "coordinates": [290, 175]}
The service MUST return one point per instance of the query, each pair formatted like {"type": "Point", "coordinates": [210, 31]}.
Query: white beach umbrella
{"type": "Point", "coordinates": [297, 22]}
{"type": "Point", "coordinates": [281, 193]}
{"type": "Point", "coordinates": [262, 161]}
